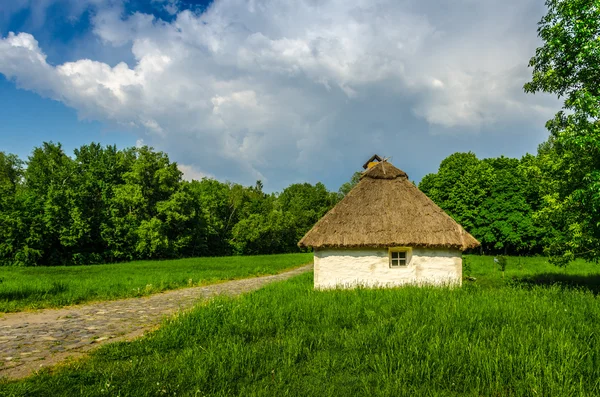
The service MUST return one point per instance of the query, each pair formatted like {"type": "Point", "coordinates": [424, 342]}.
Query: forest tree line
{"type": "Point", "coordinates": [503, 202]}
{"type": "Point", "coordinates": [108, 205]}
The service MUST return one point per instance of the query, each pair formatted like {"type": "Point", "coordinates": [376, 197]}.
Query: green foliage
{"type": "Point", "coordinates": [288, 339]}
{"type": "Point", "coordinates": [258, 233]}
{"type": "Point", "coordinates": [491, 198]}
{"type": "Point", "coordinates": [460, 188]}
{"type": "Point", "coordinates": [567, 65]}
{"type": "Point", "coordinates": [12, 228]}
{"type": "Point", "coordinates": [108, 205]}
{"type": "Point", "coordinates": [216, 202]}
{"type": "Point", "coordinates": [24, 288]}
{"type": "Point", "coordinates": [11, 172]}
{"type": "Point", "coordinates": [304, 204]}
{"type": "Point", "coordinates": [346, 187]}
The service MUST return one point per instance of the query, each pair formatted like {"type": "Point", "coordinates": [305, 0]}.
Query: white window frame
{"type": "Point", "coordinates": [395, 259]}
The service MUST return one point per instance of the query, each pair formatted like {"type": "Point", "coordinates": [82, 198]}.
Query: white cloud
{"type": "Point", "coordinates": [260, 89]}
{"type": "Point", "coordinates": [170, 6]}
{"type": "Point", "coordinates": [190, 172]}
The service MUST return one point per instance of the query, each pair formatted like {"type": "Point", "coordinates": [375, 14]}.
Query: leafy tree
{"type": "Point", "coordinates": [12, 229]}
{"type": "Point", "coordinates": [99, 170]}
{"type": "Point", "coordinates": [184, 224]}
{"type": "Point", "coordinates": [220, 213]}
{"type": "Point", "coordinates": [346, 187]}
{"type": "Point", "coordinates": [567, 65]}
{"type": "Point", "coordinates": [49, 204]}
{"type": "Point", "coordinates": [11, 172]}
{"type": "Point", "coordinates": [132, 229]}
{"type": "Point", "coordinates": [304, 204]}
{"type": "Point", "coordinates": [105, 205]}
{"type": "Point", "coordinates": [491, 198]}
{"type": "Point", "coordinates": [263, 234]}
{"type": "Point", "coordinates": [506, 215]}
{"type": "Point", "coordinates": [460, 187]}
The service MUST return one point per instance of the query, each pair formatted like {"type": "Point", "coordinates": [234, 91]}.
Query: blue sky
{"type": "Point", "coordinates": [285, 92]}
{"type": "Point", "coordinates": [65, 33]}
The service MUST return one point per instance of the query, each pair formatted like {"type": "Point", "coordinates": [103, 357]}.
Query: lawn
{"type": "Point", "coordinates": [530, 271]}
{"type": "Point", "coordinates": [494, 337]}
{"type": "Point", "coordinates": [23, 288]}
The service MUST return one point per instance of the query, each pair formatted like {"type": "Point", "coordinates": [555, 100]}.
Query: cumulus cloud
{"type": "Point", "coordinates": [190, 172]}
{"type": "Point", "coordinates": [170, 6]}
{"type": "Point", "coordinates": [279, 90]}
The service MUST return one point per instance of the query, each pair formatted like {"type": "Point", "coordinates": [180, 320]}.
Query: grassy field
{"type": "Point", "coordinates": [517, 336]}
{"type": "Point", "coordinates": [532, 271]}
{"type": "Point", "coordinates": [24, 288]}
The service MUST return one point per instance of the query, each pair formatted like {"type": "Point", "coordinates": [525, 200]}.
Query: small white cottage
{"type": "Point", "coordinates": [386, 232]}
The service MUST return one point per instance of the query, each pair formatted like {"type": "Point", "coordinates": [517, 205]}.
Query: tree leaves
{"type": "Point", "coordinates": [106, 205]}
{"type": "Point", "coordinates": [491, 198]}
{"type": "Point", "coordinates": [568, 65]}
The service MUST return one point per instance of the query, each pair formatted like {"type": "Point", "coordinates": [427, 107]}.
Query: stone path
{"type": "Point", "coordinates": [32, 340]}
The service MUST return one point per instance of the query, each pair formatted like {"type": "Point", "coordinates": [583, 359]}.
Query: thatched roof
{"type": "Point", "coordinates": [386, 210]}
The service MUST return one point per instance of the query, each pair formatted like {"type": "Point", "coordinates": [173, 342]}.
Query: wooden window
{"type": "Point", "coordinates": [398, 258]}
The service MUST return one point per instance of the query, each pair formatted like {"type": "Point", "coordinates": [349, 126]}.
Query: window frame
{"type": "Point", "coordinates": [407, 257]}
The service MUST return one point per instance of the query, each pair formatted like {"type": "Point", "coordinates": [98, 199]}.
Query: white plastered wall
{"type": "Point", "coordinates": [371, 267]}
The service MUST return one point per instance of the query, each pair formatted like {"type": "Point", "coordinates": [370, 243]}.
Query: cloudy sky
{"type": "Point", "coordinates": [278, 90]}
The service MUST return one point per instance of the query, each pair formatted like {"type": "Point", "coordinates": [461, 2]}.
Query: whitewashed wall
{"type": "Point", "coordinates": [371, 267]}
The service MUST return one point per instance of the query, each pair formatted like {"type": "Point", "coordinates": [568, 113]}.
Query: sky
{"type": "Point", "coordinates": [273, 90]}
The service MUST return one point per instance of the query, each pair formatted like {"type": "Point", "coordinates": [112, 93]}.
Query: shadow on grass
{"type": "Point", "coordinates": [21, 293]}
{"type": "Point", "coordinates": [568, 281]}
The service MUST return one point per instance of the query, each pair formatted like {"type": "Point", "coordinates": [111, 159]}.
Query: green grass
{"type": "Point", "coordinates": [530, 271]}
{"type": "Point", "coordinates": [23, 288]}
{"type": "Point", "coordinates": [489, 338]}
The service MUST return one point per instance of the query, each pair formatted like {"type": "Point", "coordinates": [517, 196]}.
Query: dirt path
{"type": "Point", "coordinates": [32, 340]}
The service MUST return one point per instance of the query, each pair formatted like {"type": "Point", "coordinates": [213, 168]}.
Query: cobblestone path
{"type": "Point", "coordinates": [32, 340]}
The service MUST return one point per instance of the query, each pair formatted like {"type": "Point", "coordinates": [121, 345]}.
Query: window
{"type": "Point", "coordinates": [398, 258]}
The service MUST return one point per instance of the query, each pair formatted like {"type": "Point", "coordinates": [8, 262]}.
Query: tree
{"type": "Point", "coordinates": [263, 234]}
{"type": "Point", "coordinates": [49, 204]}
{"type": "Point", "coordinates": [506, 215]}
{"type": "Point", "coordinates": [12, 229]}
{"type": "Point", "coordinates": [567, 65]}
{"type": "Point", "coordinates": [132, 229]}
{"type": "Point", "coordinates": [220, 215]}
{"type": "Point", "coordinates": [460, 187]}
{"type": "Point", "coordinates": [99, 171]}
{"type": "Point", "coordinates": [108, 205]}
{"type": "Point", "coordinates": [183, 223]}
{"type": "Point", "coordinates": [346, 187]}
{"type": "Point", "coordinates": [491, 198]}
{"type": "Point", "coordinates": [304, 204]}
{"type": "Point", "coordinates": [11, 172]}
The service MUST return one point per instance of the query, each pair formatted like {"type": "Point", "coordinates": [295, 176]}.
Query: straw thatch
{"type": "Point", "coordinates": [386, 210]}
